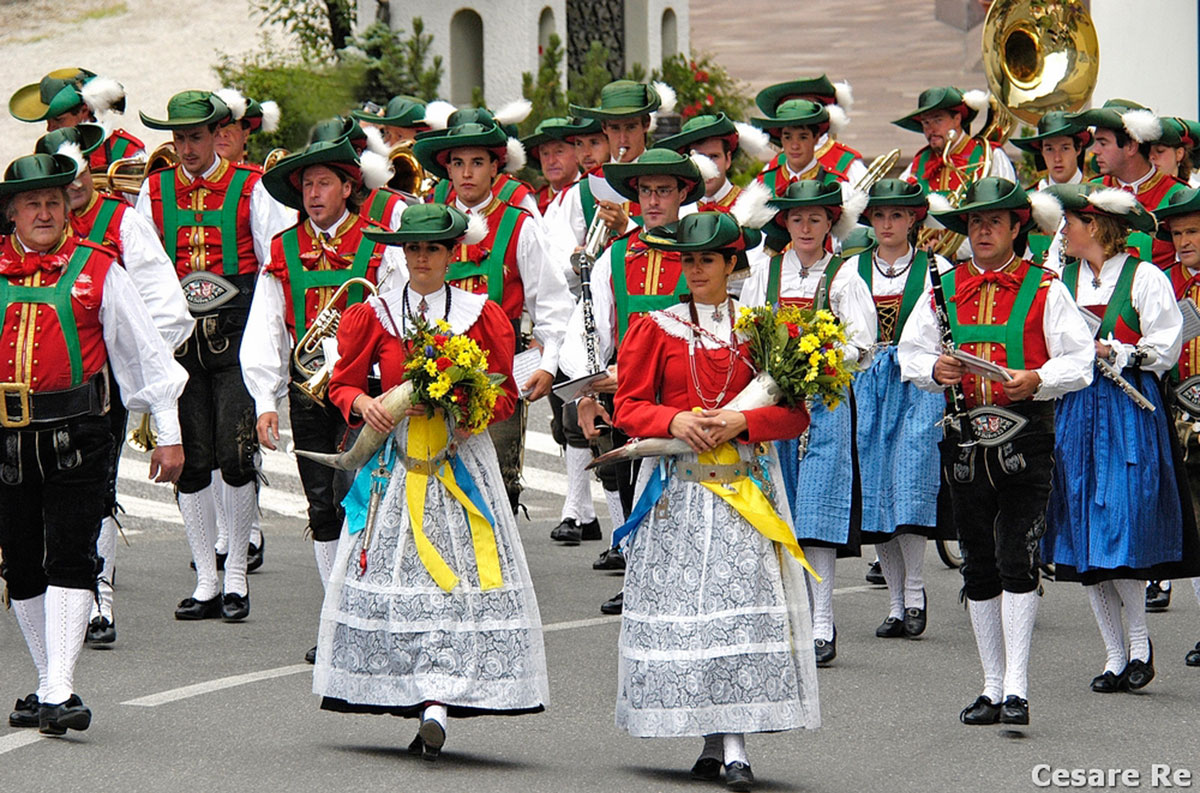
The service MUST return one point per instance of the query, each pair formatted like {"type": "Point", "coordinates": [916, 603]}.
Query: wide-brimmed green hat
{"type": "Point", "coordinates": [795, 113]}
{"type": "Point", "coordinates": [623, 176]}
{"type": "Point", "coordinates": [1180, 132]}
{"type": "Point", "coordinates": [283, 180]}
{"type": "Point", "coordinates": [1181, 202]}
{"type": "Point", "coordinates": [58, 92]}
{"type": "Point", "coordinates": [1055, 124]}
{"type": "Point", "coordinates": [401, 111]}
{"type": "Point", "coordinates": [802, 193]}
{"type": "Point", "coordinates": [861, 240]}
{"type": "Point", "coordinates": [704, 231]}
{"type": "Point", "coordinates": [37, 172]}
{"type": "Point", "coordinates": [547, 130]}
{"type": "Point", "coordinates": [1119, 205]}
{"type": "Point", "coordinates": [945, 97]}
{"type": "Point", "coordinates": [581, 126]}
{"type": "Point", "coordinates": [700, 128]}
{"type": "Point", "coordinates": [338, 128]}
{"type": "Point", "coordinates": [87, 137]}
{"type": "Point", "coordinates": [432, 149]}
{"type": "Point", "coordinates": [816, 89]}
{"type": "Point", "coordinates": [261, 116]}
{"type": "Point", "coordinates": [989, 193]}
{"type": "Point", "coordinates": [896, 193]}
{"type": "Point", "coordinates": [621, 99]}
{"type": "Point", "coordinates": [1122, 115]}
{"type": "Point", "coordinates": [424, 223]}
{"type": "Point", "coordinates": [189, 109]}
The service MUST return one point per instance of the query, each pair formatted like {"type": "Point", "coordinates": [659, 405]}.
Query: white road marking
{"type": "Point", "coordinates": [555, 483]}
{"type": "Point", "coordinates": [587, 623]}
{"type": "Point", "coordinates": [273, 499]}
{"type": "Point", "coordinates": [195, 690]}
{"type": "Point", "coordinates": [18, 739]}
{"type": "Point", "coordinates": [542, 442]}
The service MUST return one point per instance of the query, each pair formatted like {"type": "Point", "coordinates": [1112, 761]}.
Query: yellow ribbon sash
{"type": "Point", "coordinates": [744, 495]}
{"type": "Point", "coordinates": [426, 439]}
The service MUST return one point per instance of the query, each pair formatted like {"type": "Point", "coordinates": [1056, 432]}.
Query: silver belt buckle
{"type": "Point", "coordinates": [994, 425]}
{"type": "Point", "coordinates": [205, 292]}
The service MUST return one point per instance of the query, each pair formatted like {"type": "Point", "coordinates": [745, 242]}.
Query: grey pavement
{"type": "Point", "coordinates": [890, 707]}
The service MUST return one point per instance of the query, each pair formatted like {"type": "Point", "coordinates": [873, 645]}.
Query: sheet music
{"type": "Point", "coordinates": [982, 367]}
{"type": "Point", "coordinates": [524, 365]}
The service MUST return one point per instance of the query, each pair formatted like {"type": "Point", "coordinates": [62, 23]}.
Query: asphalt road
{"type": "Point", "coordinates": [213, 707]}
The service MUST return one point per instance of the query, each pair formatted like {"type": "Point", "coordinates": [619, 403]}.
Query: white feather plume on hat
{"type": "Point", "coordinates": [376, 169]}
{"type": "Point", "coordinates": [1142, 125]}
{"type": "Point", "coordinates": [477, 229]}
{"type": "Point", "coordinates": [72, 150]}
{"type": "Point", "coordinates": [101, 93]}
{"type": "Point", "coordinates": [515, 159]}
{"type": "Point", "coordinates": [271, 115]}
{"type": "Point", "coordinates": [437, 113]}
{"type": "Point", "coordinates": [754, 141]}
{"type": "Point", "coordinates": [976, 99]}
{"type": "Point", "coordinates": [838, 120]}
{"type": "Point", "coordinates": [1113, 201]}
{"type": "Point", "coordinates": [843, 95]}
{"type": "Point", "coordinates": [666, 97]}
{"type": "Point", "coordinates": [1047, 211]}
{"type": "Point", "coordinates": [751, 208]}
{"type": "Point", "coordinates": [937, 203]}
{"type": "Point", "coordinates": [234, 100]}
{"type": "Point", "coordinates": [708, 169]}
{"type": "Point", "coordinates": [375, 141]}
{"type": "Point", "coordinates": [514, 112]}
{"type": "Point", "coordinates": [853, 204]}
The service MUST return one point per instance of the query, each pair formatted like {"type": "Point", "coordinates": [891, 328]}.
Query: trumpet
{"type": "Point", "coordinates": [127, 174]}
{"type": "Point", "coordinates": [273, 157]}
{"type": "Point", "coordinates": [142, 438]}
{"type": "Point", "coordinates": [309, 356]}
{"type": "Point", "coordinates": [410, 177]}
{"type": "Point", "coordinates": [878, 169]}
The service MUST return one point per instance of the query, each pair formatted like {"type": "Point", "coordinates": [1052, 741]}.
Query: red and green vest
{"type": "Point", "coordinates": [505, 187]}
{"type": "Point", "coordinates": [490, 267]}
{"type": "Point", "coordinates": [819, 300]}
{"type": "Point", "coordinates": [650, 279]}
{"type": "Point", "coordinates": [379, 206]}
{"type": "Point", "coordinates": [929, 171]}
{"type": "Point", "coordinates": [1151, 194]}
{"type": "Point", "coordinates": [775, 175]}
{"type": "Point", "coordinates": [118, 145]}
{"type": "Point", "coordinates": [100, 221]}
{"type": "Point", "coordinates": [898, 306]}
{"type": "Point", "coordinates": [1186, 284]}
{"type": "Point", "coordinates": [1118, 318]}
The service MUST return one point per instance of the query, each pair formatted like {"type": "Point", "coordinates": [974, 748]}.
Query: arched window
{"type": "Point", "coordinates": [545, 29]}
{"type": "Point", "coordinates": [670, 34]}
{"type": "Point", "coordinates": [466, 56]}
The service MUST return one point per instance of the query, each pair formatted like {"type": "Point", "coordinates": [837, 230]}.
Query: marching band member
{"type": "Point", "coordinates": [246, 117]}
{"type": "Point", "coordinates": [216, 223]}
{"type": "Point", "coordinates": [461, 635]}
{"type": "Point", "coordinates": [717, 138]}
{"type": "Point", "coordinates": [382, 206]}
{"type": "Point", "coordinates": [795, 127]}
{"type": "Point", "coordinates": [66, 303]}
{"type": "Point", "coordinates": [1175, 152]}
{"type": "Point", "coordinates": [1018, 317]}
{"type": "Point", "coordinates": [834, 156]}
{"type": "Point", "coordinates": [897, 424]}
{"type": "Point", "coordinates": [1115, 517]}
{"type": "Point", "coordinates": [1060, 149]}
{"type": "Point", "coordinates": [942, 112]}
{"type": "Point", "coordinates": [549, 152]}
{"type": "Point", "coordinates": [702, 577]}
{"type": "Point", "coordinates": [400, 120]}
{"type": "Point", "coordinates": [820, 470]}
{"type": "Point", "coordinates": [505, 185]}
{"type": "Point", "coordinates": [307, 265]}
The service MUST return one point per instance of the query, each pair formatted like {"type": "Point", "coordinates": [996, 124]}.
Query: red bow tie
{"type": "Point", "coordinates": [31, 262]}
{"type": "Point", "coordinates": [973, 284]}
{"type": "Point", "coordinates": [185, 190]}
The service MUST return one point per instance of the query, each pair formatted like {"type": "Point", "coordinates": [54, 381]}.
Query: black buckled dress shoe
{"type": "Point", "coordinates": [254, 555]}
{"type": "Point", "coordinates": [1014, 710]}
{"type": "Point", "coordinates": [614, 605]}
{"type": "Point", "coordinates": [892, 628]}
{"type": "Point", "coordinates": [192, 609]}
{"type": "Point", "coordinates": [1107, 683]}
{"type": "Point", "coordinates": [234, 607]}
{"type": "Point", "coordinates": [567, 531]}
{"type": "Point", "coordinates": [25, 712]}
{"type": "Point", "coordinates": [981, 711]}
{"type": "Point", "coordinates": [875, 574]}
{"type": "Point", "coordinates": [1193, 656]}
{"type": "Point", "coordinates": [610, 559]}
{"type": "Point", "coordinates": [69, 715]}
{"type": "Point", "coordinates": [738, 776]}
{"type": "Point", "coordinates": [417, 747]}
{"type": "Point", "coordinates": [590, 531]}
{"type": "Point", "coordinates": [433, 737]}
{"type": "Point", "coordinates": [706, 769]}
{"type": "Point", "coordinates": [825, 651]}
{"type": "Point", "coordinates": [1158, 597]}
{"type": "Point", "coordinates": [101, 631]}
{"type": "Point", "coordinates": [1138, 674]}
{"type": "Point", "coordinates": [915, 619]}
{"type": "Point", "coordinates": [311, 656]}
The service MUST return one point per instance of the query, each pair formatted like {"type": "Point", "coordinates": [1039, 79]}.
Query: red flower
{"type": "Point", "coordinates": [692, 64]}
{"type": "Point", "coordinates": [708, 99]}
{"type": "Point", "coordinates": [460, 396]}
{"type": "Point", "coordinates": [793, 329]}
{"type": "Point", "coordinates": [440, 340]}
{"type": "Point", "coordinates": [444, 363]}
{"type": "Point", "coordinates": [688, 112]}
{"type": "Point", "coordinates": [700, 76]}
{"type": "Point", "coordinates": [829, 370]}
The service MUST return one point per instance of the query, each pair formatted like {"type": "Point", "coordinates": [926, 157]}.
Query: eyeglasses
{"type": "Point", "coordinates": [661, 192]}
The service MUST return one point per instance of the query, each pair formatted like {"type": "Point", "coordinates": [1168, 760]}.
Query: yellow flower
{"type": "Point", "coordinates": [431, 368]}
{"type": "Point", "coordinates": [463, 359]}
{"type": "Point", "coordinates": [443, 325]}
{"type": "Point", "coordinates": [814, 360]}
{"type": "Point", "coordinates": [809, 343]}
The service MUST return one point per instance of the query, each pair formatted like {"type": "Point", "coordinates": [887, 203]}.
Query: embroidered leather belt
{"type": "Point", "coordinates": [21, 407]}
{"type": "Point", "coordinates": [1187, 396]}
{"type": "Point", "coordinates": [206, 292]}
{"type": "Point", "coordinates": [716, 474]}
{"type": "Point", "coordinates": [428, 467]}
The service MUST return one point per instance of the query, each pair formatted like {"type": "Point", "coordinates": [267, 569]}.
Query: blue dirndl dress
{"type": "Point", "coordinates": [822, 488]}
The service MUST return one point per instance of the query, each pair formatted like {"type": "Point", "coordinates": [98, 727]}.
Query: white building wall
{"type": "Point", "coordinates": [643, 31]}
{"type": "Point", "coordinates": [1150, 54]}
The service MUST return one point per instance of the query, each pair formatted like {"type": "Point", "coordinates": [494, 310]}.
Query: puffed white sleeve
{"type": "Point", "coordinates": [547, 298]}
{"type": "Point", "coordinates": [153, 275]}
{"type": "Point", "coordinates": [1160, 319]}
{"type": "Point", "coordinates": [150, 378]}
{"type": "Point", "coordinates": [856, 171]}
{"type": "Point", "coordinates": [1072, 351]}
{"type": "Point", "coordinates": [142, 205]}
{"type": "Point", "coordinates": [393, 269]}
{"type": "Point", "coordinates": [266, 346]}
{"type": "Point", "coordinates": [850, 298]}
{"type": "Point", "coordinates": [573, 360]}
{"type": "Point", "coordinates": [754, 288]}
{"type": "Point", "coordinates": [1002, 166]}
{"type": "Point", "coordinates": [268, 217]}
{"type": "Point", "coordinates": [920, 346]}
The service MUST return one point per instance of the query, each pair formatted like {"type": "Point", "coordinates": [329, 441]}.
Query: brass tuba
{"type": "Point", "coordinates": [409, 176]}
{"type": "Point", "coordinates": [143, 438]}
{"type": "Point", "coordinates": [879, 168]}
{"type": "Point", "coordinates": [273, 157]}
{"type": "Point", "coordinates": [309, 355]}
{"type": "Point", "coordinates": [127, 174]}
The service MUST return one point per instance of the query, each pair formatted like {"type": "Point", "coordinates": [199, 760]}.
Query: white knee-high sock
{"type": "Point", "coordinates": [891, 564]}
{"type": "Point", "coordinates": [616, 511]}
{"type": "Point", "coordinates": [106, 549]}
{"type": "Point", "coordinates": [200, 526]}
{"type": "Point", "coordinates": [822, 561]}
{"type": "Point", "coordinates": [435, 713]}
{"type": "Point", "coordinates": [987, 624]}
{"type": "Point", "coordinates": [1133, 596]}
{"type": "Point", "coordinates": [66, 621]}
{"type": "Point", "coordinates": [714, 746]}
{"type": "Point", "coordinates": [221, 543]}
{"type": "Point", "coordinates": [325, 553]}
{"type": "Point", "coordinates": [240, 506]}
{"type": "Point", "coordinates": [735, 748]}
{"type": "Point", "coordinates": [1020, 613]}
{"type": "Point", "coordinates": [913, 548]}
{"type": "Point", "coordinates": [31, 616]}
{"type": "Point", "coordinates": [1107, 607]}
{"type": "Point", "coordinates": [578, 503]}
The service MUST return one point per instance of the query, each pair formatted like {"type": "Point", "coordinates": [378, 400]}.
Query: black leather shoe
{"type": "Point", "coordinates": [914, 619]}
{"type": "Point", "coordinates": [433, 737]}
{"type": "Point", "coordinates": [875, 574]}
{"type": "Point", "coordinates": [101, 631]}
{"type": "Point", "coordinates": [826, 651]}
{"type": "Point", "coordinates": [1014, 710]}
{"type": "Point", "coordinates": [1193, 656]}
{"type": "Point", "coordinates": [1138, 674]}
{"type": "Point", "coordinates": [707, 769]}
{"type": "Point", "coordinates": [311, 656]}
{"type": "Point", "coordinates": [69, 715]}
{"type": "Point", "coordinates": [417, 747]}
{"type": "Point", "coordinates": [25, 712]}
{"type": "Point", "coordinates": [1158, 597]}
{"type": "Point", "coordinates": [567, 532]}
{"type": "Point", "coordinates": [892, 628]}
{"type": "Point", "coordinates": [192, 609]}
{"type": "Point", "coordinates": [235, 608]}
{"type": "Point", "coordinates": [738, 776]}
{"type": "Point", "coordinates": [1107, 683]}
{"type": "Point", "coordinates": [590, 530]}
{"type": "Point", "coordinates": [981, 711]}
{"type": "Point", "coordinates": [610, 559]}
{"type": "Point", "coordinates": [614, 605]}
{"type": "Point", "coordinates": [254, 555]}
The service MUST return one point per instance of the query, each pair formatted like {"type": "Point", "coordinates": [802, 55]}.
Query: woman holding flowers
{"type": "Point", "coordinates": [715, 635]}
{"type": "Point", "coordinates": [820, 468]}
{"type": "Point", "coordinates": [430, 610]}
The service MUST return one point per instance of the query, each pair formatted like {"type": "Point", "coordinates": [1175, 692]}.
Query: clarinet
{"type": "Point", "coordinates": [958, 414]}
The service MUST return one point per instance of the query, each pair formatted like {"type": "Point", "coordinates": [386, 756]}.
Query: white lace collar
{"type": "Point", "coordinates": [676, 321]}
{"type": "Point", "coordinates": [465, 308]}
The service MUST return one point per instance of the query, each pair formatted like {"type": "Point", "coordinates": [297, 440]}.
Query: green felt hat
{"type": "Point", "coordinates": [623, 176]}
{"type": "Point", "coordinates": [621, 99]}
{"type": "Point", "coordinates": [989, 193]}
{"type": "Point", "coordinates": [401, 111]}
{"type": "Point", "coordinates": [87, 137]}
{"type": "Point", "coordinates": [337, 128]}
{"type": "Point", "coordinates": [1091, 198]}
{"type": "Point", "coordinates": [945, 97]}
{"type": "Point", "coordinates": [479, 115]}
{"type": "Point", "coordinates": [547, 130]}
{"type": "Point", "coordinates": [1112, 115]}
{"type": "Point", "coordinates": [581, 126]}
{"type": "Point", "coordinates": [261, 116]}
{"type": "Point", "coordinates": [896, 193]}
{"type": "Point", "coordinates": [795, 113]}
{"type": "Point", "coordinates": [861, 240]}
{"type": "Point", "coordinates": [700, 128]}
{"type": "Point", "coordinates": [189, 109]}
{"type": "Point", "coordinates": [432, 149]}
{"type": "Point", "coordinates": [1055, 124]}
{"type": "Point", "coordinates": [424, 223]}
{"type": "Point", "coordinates": [704, 231]}
{"type": "Point", "coordinates": [1180, 132]}
{"type": "Point", "coordinates": [801, 193]}
{"type": "Point", "coordinates": [58, 92]}
{"type": "Point", "coordinates": [283, 180]}
{"type": "Point", "coordinates": [817, 89]}
{"type": "Point", "coordinates": [37, 172]}
{"type": "Point", "coordinates": [1181, 202]}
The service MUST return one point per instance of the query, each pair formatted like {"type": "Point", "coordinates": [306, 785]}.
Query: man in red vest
{"type": "Point", "coordinates": [944, 116]}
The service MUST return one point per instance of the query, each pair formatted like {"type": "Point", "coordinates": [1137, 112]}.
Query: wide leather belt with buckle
{"type": "Point", "coordinates": [206, 292]}
{"type": "Point", "coordinates": [428, 467]}
{"type": "Point", "coordinates": [716, 474]}
{"type": "Point", "coordinates": [20, 407]}
{"type": "Point", "coordinates": [994, 425]}
{"type": "Point", "coordinates": [1187, 396]}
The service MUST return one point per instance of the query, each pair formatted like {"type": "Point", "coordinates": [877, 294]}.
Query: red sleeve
{"type": "Point", "coordinates": [640, 362]}
{"type": "Point", "coordinates": [775, 423]}
{"type": "Point", "coordinates": [358, 340]}
{"type": "Point", "coordinates": [493, 331]}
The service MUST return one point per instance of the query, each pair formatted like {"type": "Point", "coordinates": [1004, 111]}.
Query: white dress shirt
{"type": "Point", "coordinates": [153, 275]}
